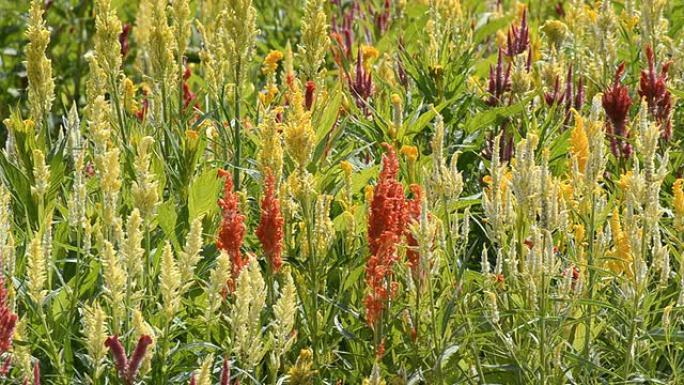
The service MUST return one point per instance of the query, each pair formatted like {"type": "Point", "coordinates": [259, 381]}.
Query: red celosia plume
{"type": "Point", "coordinates": [616, 102]}
{"type": "Point", "coordinates": [270, 229]}
{"type": "Point", "coordinates": [386, 225]}
{"type": "Point", "coordinates": [518, 38]}
{"type": "Point", "coordinates": [653, 87]}
{"type": "Point", "coordinates": [8, 320]}
{"type": "Point", "coordinates": [128, 369]}
{"type": "Point", "coordinates": [232, 230]}
{"type": "Point", "coordinates": [225, 372]}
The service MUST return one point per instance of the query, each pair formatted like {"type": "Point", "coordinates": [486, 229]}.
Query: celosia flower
{"type": "Point", "coordinates": [382, 17]}
{"type": "Point", "coordinates": [343, 28]}
{"type": "Point", "coordinates": [579, 143]}
{"type": "Point", "coordinates": [41, 85]}
{"type": "Point", "coordinates": [141, 112]}
{"type": "Point", "coordinates": [8, 320]}
{"type": "Point", "coordinates": [36, 373]}
{"type": "Point", "coordinates": [678, 202]}
{"type": "Point", "coordinates": [499, 81]}
{"type": "Point", "coordinates": [299, 134]}
{"type": "Point", "coordinates": [309, 95]}
{"type": "Point", "coordinates": [123, 39]}
{"type": "Point", "coordinates": [518, 38]}
{"type": "Point", "coordinates": [271, 61]}
{"type": "Point", "coordinates": [225, 372]}
{"type": "Point", "coordinates": [232, 230]}
{"type": "Point", "coordinates": [205, 371]}
{"type": "Point", "coordinates": [616, 102]}
{"type": "Point", "coordinates": [188, 95]}
{"type": "Point", "coordinates": [361, 86]}
{"type": "Point", "coordinates": [314, 38]}
{"type": "Point", "coordinates": [302, 373]}
{"type": "Point", "coordinates": [622, 252]}
{"type": "Point", "coordinates": [565, 97]}
{"type": "Point", "coordinates": [386, 225]}
{"type": "Point", "coordinates": [653, 87]}
{"type": "Point", "coordinates": [270, 229]}
{"type": "Point", "coordinates": [128, 369]}
{"type": "Point", "coordinates": [118, 355]}
{"type": "Point", "coordinates": [137, 358]}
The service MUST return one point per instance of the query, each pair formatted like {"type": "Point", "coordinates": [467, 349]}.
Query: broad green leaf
{"type": "Point", "coordinates": [167, 218]}
{"type": "Point", "coordinates": [204, 191]}
{"type": "Point", "coordinates": [491, 115]}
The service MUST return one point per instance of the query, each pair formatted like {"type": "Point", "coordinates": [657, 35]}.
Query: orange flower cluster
{"type": "Point", "coordinates": [390, 213]}
{"type": "Point", "coordinates": [232, 230]}
{"type": "Point", "coordinates": [270, 229]}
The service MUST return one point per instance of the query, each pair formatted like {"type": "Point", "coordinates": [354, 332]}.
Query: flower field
{"type": "Point", "coordinates": [341, 192]}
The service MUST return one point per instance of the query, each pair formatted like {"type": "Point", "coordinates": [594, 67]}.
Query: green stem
{"type": "Point", "coordinates": [236, 174]}
{"type": "Point", "coordinates": [590, 269]}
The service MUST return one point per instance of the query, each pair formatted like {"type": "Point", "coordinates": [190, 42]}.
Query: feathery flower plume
{"type": "Point", "coordinates": [499, 81]}
{"type": "Point", "coordinates": [678, 202]}
{"type": "Point", "coordinates": [314, 39]}
{"type": "Point", "coordinates": [8, 319]}
{"type": "Point", "coordinates": [250, 300]}
{"type": "Point", "coordinates": [284, 313]}
{"type": "Point", "coordinates": [579, 143]}
{"type": "Point", "coordinates": [188, 96]}
{"type": "Point", "coordinates": [128, 368]}
{"type": "Point", "coordinates": [653, 87]}
{"type": "Point", "coordinates": [299, 133]}
{"type": "Point", "coordinates": [36, 373]}
{"type": "Point", "coordinates": [41, 175]}
{"type": "Point", "coordinates": [302, 372]}
{"type": "Point", "coordinates": [41, 90]}
{"type": "Point", "coordinates": [270, 229]}
{"type": "Point", "coordinates": [270, 156]}
{"type": "Point", "coordinates": [386, 225]}
{"type": "Point", "coordinates": [108, 30]}
{"type": "Point", "coordinates": [118, 355]}
{"type": "Point", "coordinates": [220, 280]}
{"type": "Point", "coordinates": [123, 39]}
{"type": "Point", "coordinates": [309, 95]}
{"type": "Point", "coordinates": [232, 230]}
{"type": "Point", "coordinates": [131, 247]}
{"type": "Point", "coordinates": [622, 252]}
{"type": "Point", "coordinates": [95, 331]}
{"type": "Point", "coordinates": [145, 187]}
{"type": "Point", "coordinates": [361, 86]}
{"type": "Point", "coordinates": [115, 281]}
{"type": "Point", "coordinates": [190, 256]}
{"type": "Point", "coordinates": [518, 38]}
{"type": "Point", "coordinates": [137, 358]}
{"type": "Point", "coordinates": [169, 282]}
{"type": "Point", "coordinates": [36, 270]}
{"type": "Point", "coordinates": [160, 42]}
{"type": "Point", "coordinates": [182, 26]}
{"type": "Point", "coordinates": [616, 102]}
{"type": "Point", "coordinates": [204, 376]}
{"type": "Point", "coordinates": [225, 372]}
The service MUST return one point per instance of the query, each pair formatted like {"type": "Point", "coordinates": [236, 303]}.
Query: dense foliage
{"type": "Point", "coordinates": [341, 192]}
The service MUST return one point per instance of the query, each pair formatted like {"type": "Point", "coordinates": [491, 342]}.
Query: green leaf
{"type": "Point", "coordinates": [490, 27]}
{"type": "Point", "coordinates": [423, 120]}
{"type": "Point", "coordinates": [492, 115]}
{"type": "Point", "coordinates": [204, 191]}
{"type": "Point", "coordinates": [167, 218]}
